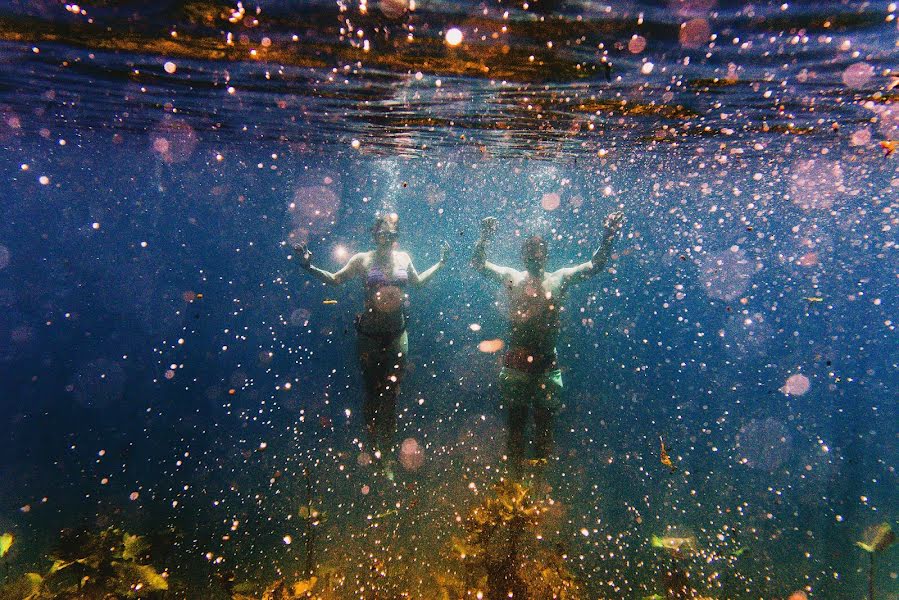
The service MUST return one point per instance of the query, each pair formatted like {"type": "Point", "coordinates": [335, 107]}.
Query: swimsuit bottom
{"type": "Point", "coordinates": [526, 361]}
{"type": "Point", "coordinates": [541, 391]}
{"type": "Point", "coordinates": [384, 338]}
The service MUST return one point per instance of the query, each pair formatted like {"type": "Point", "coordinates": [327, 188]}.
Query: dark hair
{"type": "Point", "coordinates": [388, 220]}
{"type": "Point", "coordinates": [532, 245]}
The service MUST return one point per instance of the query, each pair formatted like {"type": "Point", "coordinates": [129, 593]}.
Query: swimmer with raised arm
{"type": "Point", "coordinates": [382, 341]}
{"type": "Point", "coordinates": [530, 379]}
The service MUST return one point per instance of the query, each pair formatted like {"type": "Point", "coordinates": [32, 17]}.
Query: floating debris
{"type": "Point", "coordinates": [675, 545]}
{"type": "Point", "coordinates": [664, 457]}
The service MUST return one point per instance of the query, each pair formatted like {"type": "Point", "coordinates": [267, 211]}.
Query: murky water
{"type": "Point", "coordinates": [728, 420]}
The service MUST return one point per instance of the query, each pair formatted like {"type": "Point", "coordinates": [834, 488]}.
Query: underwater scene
{"type": "Point", "coordinates": [449, 299]}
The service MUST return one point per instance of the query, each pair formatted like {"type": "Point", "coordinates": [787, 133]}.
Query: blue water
{"type": "Point", "coordinates": [151, 315]}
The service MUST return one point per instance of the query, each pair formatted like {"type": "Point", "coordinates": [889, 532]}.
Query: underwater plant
{"type": "Point", "coordinates": [324, 586]}
{"type": "Point", "coordinates": [6, 541]}
{"type": "Point", "coordinates": [279, 590]}
{"type": "Point", "coordinates": [109, 565]}
{"type": "Point", "coordinates": [877, 538]}
{"type": "Point", "coordinates": [501, 554]}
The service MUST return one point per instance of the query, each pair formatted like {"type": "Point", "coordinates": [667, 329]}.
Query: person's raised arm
{"type": "Point", "coordinates": [421, 279]}
{"type": "Point", "coordinates": [304, 256]}
{"type": "Point", "coordinates": [479, 257]}
{"type": "Point", "coordinates": [600, 257]}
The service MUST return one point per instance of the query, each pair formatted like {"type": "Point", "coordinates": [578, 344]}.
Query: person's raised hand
{"type": "Point", "coordinates": [488, 227]}
{"type": "Point", "coordinates": [304, 255]}
{"type": "Point", "coordinates": [614, 222]}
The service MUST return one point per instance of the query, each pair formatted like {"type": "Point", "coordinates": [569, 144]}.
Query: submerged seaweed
{"type": "Point", "coordinates": [109, 565]}
{"type": "Point", "coordinates": [502, 554]}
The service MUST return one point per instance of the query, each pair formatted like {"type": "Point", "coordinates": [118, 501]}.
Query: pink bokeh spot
{"type": "Point", "coordinates": [694, 33]}
{"type": "Point", "coordinates": [550, 201]}
{"type": "Point", "coordinates": [411, 454]}
{"type": "Point", "coordinates": [174, 140]}
{"type": "Point", "coordinates": [637, 44]}
{"type": "Point", "coordinates": [692, 7]}
{"type": "Point", "coordinates": [796, 385]}
{"type": "Point", "coordinates": [314, 209]}
{"type": "Point", "coordinates": [858, 74]}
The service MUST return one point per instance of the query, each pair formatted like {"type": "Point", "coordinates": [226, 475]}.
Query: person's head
{"type": "Point", "coordinates": [385, 230]}
{"type": "Point", "coordinates": [533, 254]}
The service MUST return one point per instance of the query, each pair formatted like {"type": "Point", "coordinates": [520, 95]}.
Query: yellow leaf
{"type": "Point", "coordinates": [302, 587]}
{"type": "Point", "coordinates": [133, 574]}
{"type": "Point", "coordinates": [674, 544]}
{"type": "Point", "coordinates": [135, 547]}
{"type": "Point", "coordinates": [274, 591]}
{"type": "Point", "coordinates": [59, 565]}
{"type": "Point", "coordinates": [6, 541]}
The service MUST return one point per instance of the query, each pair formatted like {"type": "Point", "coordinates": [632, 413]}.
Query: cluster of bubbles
{"type": "Point", "coordinates": [816, 183]}
{"type": "Point", "coordinates": [726, 275]}
{"type": "Point", "coordinates": [174, 140]}
{"type": "Point", "coordinates": [764, 444]}
{"type": "Point", "coordinates": [746, 335]}
{"type": "Point", "coordinates": [313, 209]}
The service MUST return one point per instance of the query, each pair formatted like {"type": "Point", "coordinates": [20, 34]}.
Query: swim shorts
{"type": "Point", "coordinates": [541, 390]}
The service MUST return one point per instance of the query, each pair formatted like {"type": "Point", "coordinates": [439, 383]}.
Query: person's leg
{"type": "Point", "coordinates": [544, 425]}
{"type": "Point", "coordinates": [547, 403]}
{"type": "Point", "coordinates": [374, 373]}
{"type": "Point", "coordinates": [546, 406]}
{"type": "Point", "coordinates": [382, 372]}
{"type": "Point", "coordinates": [517, 411]}
{"type": "Point", "coordinates": [394, 363]}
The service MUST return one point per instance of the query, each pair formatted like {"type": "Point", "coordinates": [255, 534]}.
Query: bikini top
{"type": "Point", "coordinates": [376, 278]}
{"type": "Point", "coordinates": [390, 303]}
